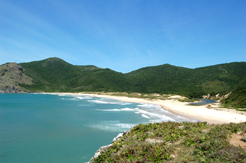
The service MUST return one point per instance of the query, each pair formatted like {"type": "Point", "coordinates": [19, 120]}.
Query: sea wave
{"type": "Point", "coordinates": [145, 116]}
{"type": "Point", "coordinates": [74, 97]}
{"type": "Point", "coordinates": [153, 107]}
{"type": "Point", "coordinates": [151, 114]}
{"type": "Point", "coordinates": [154, 116]}
{"type": "Point", "coordinates": [115, 126]}
{"type": "Point", "coordinates": [70, 99]}
{"type": "Point", "coordinates": [105, 101]}
{"type": "Point", "coordinates": [123, 109]}
{"type": "Point", "coordinates": [84, 97]}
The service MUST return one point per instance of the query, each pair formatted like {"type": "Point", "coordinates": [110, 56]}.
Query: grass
{"type": "Point", "coordinates": [177, 142]}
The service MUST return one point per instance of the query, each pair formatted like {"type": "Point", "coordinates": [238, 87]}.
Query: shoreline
{"type": "Point", "coordinates": [192, 112]}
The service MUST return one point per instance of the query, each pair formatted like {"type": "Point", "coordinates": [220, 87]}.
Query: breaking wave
{"type": "Point", "coordinates": [115, 126]}
{"type": "Point", "coordinates": [106, 101]}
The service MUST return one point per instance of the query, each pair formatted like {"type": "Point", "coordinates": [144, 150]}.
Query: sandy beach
{"type": "Point", "coordinates": [200, 113]}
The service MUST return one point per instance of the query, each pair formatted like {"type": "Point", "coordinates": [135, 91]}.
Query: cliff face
{"type": "Point", "coordinates": [11, 75]}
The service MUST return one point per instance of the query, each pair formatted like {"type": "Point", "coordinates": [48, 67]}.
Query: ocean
{"type": "Point", "coordinates": [58, 128]}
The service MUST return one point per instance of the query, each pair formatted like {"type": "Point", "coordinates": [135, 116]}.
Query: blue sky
{"type": "Point", "coordinates": [124, 35]}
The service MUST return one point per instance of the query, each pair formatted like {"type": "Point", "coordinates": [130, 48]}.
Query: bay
{"type": "Point", "coordinates": [62, 128]}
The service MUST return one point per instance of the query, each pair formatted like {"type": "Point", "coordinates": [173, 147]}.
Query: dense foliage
{"type": "Point", "coordinates": [177, 142]}
{"type": "Point", "coordinates": [237, 98]}
{"type": "Point", "coordinates": [54, 74]}
{"type": "Point", "coordinates": [189, 82]}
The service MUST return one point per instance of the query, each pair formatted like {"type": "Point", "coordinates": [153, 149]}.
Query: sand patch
{"type": "Point", "coordinates": [235, 140]}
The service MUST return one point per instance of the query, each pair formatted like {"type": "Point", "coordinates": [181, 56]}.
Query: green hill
{"type": "Point", "coordinates": [162, 79]}
{"type": "Point", "coordinates": [56, 75]}
{"type": "Point", "coordinates": [190, 82]}
{"type": "Point", "coordinates": [237, 98]}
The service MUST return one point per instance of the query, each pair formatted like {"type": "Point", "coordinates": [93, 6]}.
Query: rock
{"type": "Point", "coordinates": [168, 143]}
{"type": "Point", "coordinates": [117, 138]}
{"type": "Point", "coordinates": [240, 132]}
{"type": "Point", "coordinates": [153, 141]}
{"type": "Point", "coordinates": [104, 148]}
{"type": "Point", "coordinates": [172, 156]}
{"type": "Point", "coordinates": [101, 149]}
{"type": "Point", "coordinates": [150, 133]}
{"type": "Point", "coordinates": [21, 69]}
{"type": "Point", "coordinates": [120, 135]}
{"type": "Point", "coordinates": [244, 138]}
{"type": "Point", "coordinates": [206, 96]}
{"type": "Point", "coordinates": [204, 131]}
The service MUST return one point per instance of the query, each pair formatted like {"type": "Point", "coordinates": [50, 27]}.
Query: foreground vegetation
{"type": "Point", "coordinates": [177, 142]}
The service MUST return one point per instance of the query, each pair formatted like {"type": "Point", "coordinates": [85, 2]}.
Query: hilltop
{"type": "Point", "coordinates": [56, 75]}
{"type": "Point", "coordinates": [12, 75]}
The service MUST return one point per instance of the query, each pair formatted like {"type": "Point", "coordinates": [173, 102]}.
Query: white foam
{"type": "Point", "coordinates": [108, 102]}
{"type": "Point", "coordinates": [127, 109]}
{"type": "Point", "coordinates": [182, 117]}
{"type": "Point", "coordinates": [98, 101]}
{"type": "Point", "coordinates": [70, 99]}
{"type": "Point", "coordinates": [123, 109]}
{"type": "Point", "coordinates": [84, 97]}
{"type": "Point", "coordinates": [60, 94]}
{"type": "Point", "coordinates": [113, 126]}
{"type": "Point", "coordinates": [155, 116]}
{"type": "Point", "coordinates": [125, 125]}
{"type": "Point", "coordinates": [154, 107]}
{"type": "Point", "coordinates": [145, 116]}
{"type": "Point", "coordinates": [147, 105]}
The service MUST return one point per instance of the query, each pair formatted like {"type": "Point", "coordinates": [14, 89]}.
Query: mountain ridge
{"type": "Point", "coordinates": [57, 75]}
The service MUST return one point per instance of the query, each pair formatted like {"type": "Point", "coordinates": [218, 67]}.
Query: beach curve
{"type": "Point", "coordinates": [193, 112]}
{"type": "Point", "coordinates": [201, 113]}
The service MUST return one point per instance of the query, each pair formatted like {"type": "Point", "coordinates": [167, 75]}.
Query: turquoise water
{"type": "Point", "coordinates": [62, 129]}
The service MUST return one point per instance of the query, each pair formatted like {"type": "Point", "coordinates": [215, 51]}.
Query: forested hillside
{"type": "Point", "coordinates": [56, 75]}
{"type": "Point", "coordinates": [237, 98]}
{"type": "Point", "coordinates": [190, 82]}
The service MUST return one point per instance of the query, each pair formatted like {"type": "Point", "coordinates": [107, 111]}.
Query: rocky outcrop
{"type": "Point", "coordinates": [217, 97]}
{"type": "Point", "coordinates": [117, 138]}
{"type": "Point", "coordinates": [11, 75]}
{"type": "Point", "coordinates": [153, 141]}
{"type": "Point", "coordinates": [101, 149]}
{"type": "Point", "coordinates": [244, 138]}
{"type": "Point", "coordinates": [104, 148]}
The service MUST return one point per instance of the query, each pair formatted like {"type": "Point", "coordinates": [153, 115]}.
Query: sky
{"type": "Point", "coordinates": [124, 35]}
